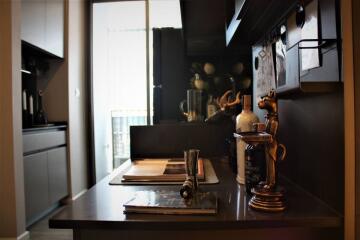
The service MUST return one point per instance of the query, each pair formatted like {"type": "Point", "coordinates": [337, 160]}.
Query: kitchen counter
{"type": "Point", "coordinates": [45, 169]}
{"type": "Point", "coordinates": [99, 212]}
{"type": "Point", "coordinates": [56, 126]}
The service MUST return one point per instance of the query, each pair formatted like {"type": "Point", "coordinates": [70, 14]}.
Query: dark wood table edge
{"type": "Point", "coordinates": [334, 222]}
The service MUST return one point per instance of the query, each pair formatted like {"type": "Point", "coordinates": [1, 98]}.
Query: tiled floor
{"type": "Point", "coordinates": [41, 231]}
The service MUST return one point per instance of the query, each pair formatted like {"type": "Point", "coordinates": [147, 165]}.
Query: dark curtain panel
{"type": "Point", "coordinates": [169, 70]}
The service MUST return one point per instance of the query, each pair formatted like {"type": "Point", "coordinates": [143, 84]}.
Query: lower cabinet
{"type": "Point", "coordinates": [45, 181]}
{"type": "Point", "coordinates": [36, 184]}
{"type": "Point", "coordinates": [57, 170]}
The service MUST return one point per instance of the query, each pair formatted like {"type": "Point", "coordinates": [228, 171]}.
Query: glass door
{"type": "Point", "coordinates": [122, 73]}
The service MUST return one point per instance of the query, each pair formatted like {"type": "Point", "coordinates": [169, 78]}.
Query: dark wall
{"type": "Point", "coordinates": [311, 126]}
{"type": "Point", "coordinates": [312, 129]}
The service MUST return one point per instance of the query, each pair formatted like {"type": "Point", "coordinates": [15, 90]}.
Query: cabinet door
{"type": "Point", "coordinates": [57, 167]}
{"type": "Point", "coordinates": [54, 30]}
{"type": "Point", "coordinates": [33, 22]}
{"type": "Point", "coordinates": [36, 184]}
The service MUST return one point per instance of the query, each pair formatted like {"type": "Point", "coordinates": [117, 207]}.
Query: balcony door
{"type": "Point", "coordinates": [122, 73]}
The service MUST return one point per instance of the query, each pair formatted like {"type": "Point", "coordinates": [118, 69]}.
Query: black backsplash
{"type": "Point", "coordinates": [312, 128]}
{"type": "Point", "coordinates": [170, 140]}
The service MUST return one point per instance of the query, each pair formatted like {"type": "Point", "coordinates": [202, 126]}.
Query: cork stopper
{"type": "Point", "coordinates": [247, 102]}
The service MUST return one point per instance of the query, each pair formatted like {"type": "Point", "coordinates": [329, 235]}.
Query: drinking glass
{"type": "Point", "coordinates": [193, 103]}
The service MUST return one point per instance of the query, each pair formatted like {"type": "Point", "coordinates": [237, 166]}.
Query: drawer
{"type": "Point", "coordinates": [44, 140]}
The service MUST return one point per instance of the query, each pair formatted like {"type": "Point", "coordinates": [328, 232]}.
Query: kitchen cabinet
{"type": "Point", "coordinates": [54, 30]}
{"type": "Point", "coordinates": [57, 170]}
{"type": "Point", "coordinates": [45, 171]}
{"type": "Point", "coordinates": [33, 22]}
{"type": "Point", "coordinates": [217, 27]}
{"type": "Point", "coordinates": [36, 184]}
{"type": "Point", "coordinates": [251, 18]}
{"type": "Point", "coordinates": [43, 25]}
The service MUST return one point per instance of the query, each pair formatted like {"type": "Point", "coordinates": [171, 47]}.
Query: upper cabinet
{"type": "Point", "coordinates": [33, 22]}
{"type": "Point", "coordinates": [214, 27]}
{"type": "Point", "coordinates": [248, 20]}
{"type": "Point", "coordinates": [54, 29]}
{"type": "Point", "coordinates": [43, 25]}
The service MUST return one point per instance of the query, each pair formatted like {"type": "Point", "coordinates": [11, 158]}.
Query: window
{"type": "Point", "coordinates": [120, 94]}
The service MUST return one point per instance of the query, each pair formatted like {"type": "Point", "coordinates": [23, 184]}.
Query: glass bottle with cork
{"type": "Point", "coordinates": [244, 123]}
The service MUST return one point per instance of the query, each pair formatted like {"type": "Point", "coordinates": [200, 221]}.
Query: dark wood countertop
{"type": "Point", "coordinates": [102, 208]}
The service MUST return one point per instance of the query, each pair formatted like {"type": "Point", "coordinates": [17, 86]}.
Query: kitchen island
{"type": "Point", "coordinates": [98, 214]}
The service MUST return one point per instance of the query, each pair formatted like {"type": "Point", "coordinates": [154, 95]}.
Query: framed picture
{"type": "Point", "coordinates": [263, 70]}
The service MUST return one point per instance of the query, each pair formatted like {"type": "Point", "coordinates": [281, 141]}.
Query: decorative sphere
{"type": "Point", "coordinates": [209, 68]}
{"type": "Point", "coordinates": [200, 84]}
{"type": "Point", "coordinates": [246, 83]}
{"type": "Point", "coordinates": [238, 68]}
